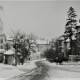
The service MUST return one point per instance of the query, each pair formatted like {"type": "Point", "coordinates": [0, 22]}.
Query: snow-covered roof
{"type": "Point", "coordinates": [61, 38]}
{"type": "Point", "coordinates": [9, 52]}
{"type": "Point", "coordinates": [9, 38]}
{"type": "Point", "coordinates": [42, 42]}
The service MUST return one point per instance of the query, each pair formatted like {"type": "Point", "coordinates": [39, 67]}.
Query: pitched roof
{"type": "Point", "coordinates": [9, 52]}
{"type": "Point", "coordinates": [61, 37]}
{"type": "Point", "coordinates": [9, 38]}
{"type": "Point", "coordinates": [42, 42]}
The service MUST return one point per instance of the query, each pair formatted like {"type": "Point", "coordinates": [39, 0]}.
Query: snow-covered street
{"type": "Point", "coordinates": [51, 71]}
{"type": "Point", "coordinates": [40, 70]}
{"type": "Point", "coordinates": [9, 71]}
{"type": "Point", "coordinates": [63, 72]}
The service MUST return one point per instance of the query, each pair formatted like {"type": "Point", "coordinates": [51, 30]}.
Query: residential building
{"type": "Point", "coordinates": [61, 44]}
{"type": "Point", "coordinates": [2, 38]}
{"type": "Point", "coordinates": [78, 39]}
{"type": "Point", "coordinates": [42, 45]}
{"type": "Point", "coordinates": [2, 41]}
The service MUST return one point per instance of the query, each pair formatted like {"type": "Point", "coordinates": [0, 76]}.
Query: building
{"type": "Point", "coordinates": [10, 57]}
{"type": "Point", "coordinates": [2, 41]}
{"type": "Point", "coordinates": [64, 46]}
{"type": "Point", "coordinates": [42, 45]}
{"type": "Point", "coordinates": [9, 43]}
{"type": "Point", "coordinates": [61, 44]}
{"type": "Point", "coordinates": [39, 47]}
{"type": "Point", "coordinates": [2, 38]}
{"type": "Point", "coordinates": [9, 40]}
{"type": "Point", "coordinates": [78, 39]}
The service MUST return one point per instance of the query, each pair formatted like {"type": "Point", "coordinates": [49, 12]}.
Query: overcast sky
{"type": "Point", "coordinates": [44, 18]}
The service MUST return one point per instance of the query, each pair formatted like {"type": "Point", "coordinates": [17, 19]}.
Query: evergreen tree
{"type": "Point", "coordinates": [70, 25]}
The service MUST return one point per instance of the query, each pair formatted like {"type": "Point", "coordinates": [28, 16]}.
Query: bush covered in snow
{"type": "Point", "coordinates": [52, 56]}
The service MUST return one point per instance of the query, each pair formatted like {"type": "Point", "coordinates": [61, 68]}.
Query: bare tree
{"type": "Point", "coordinates": [31, 40]}
{"type": "Point", "coordinates": [19, 43]}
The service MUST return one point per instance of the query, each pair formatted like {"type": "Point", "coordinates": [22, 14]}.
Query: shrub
{"type": "Point", "coordinates": [52, 56]}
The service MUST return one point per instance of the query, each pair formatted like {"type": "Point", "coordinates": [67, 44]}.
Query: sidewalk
{"type": "Point", "coordinates": [68, 66]}
{"type": "Point", "coordinates": [9, 71]}
{"type": "Point", "coordinates": [71, 63]}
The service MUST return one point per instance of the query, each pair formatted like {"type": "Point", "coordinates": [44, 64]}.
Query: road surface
{"type": "Point", "coordinates": [44, 71]}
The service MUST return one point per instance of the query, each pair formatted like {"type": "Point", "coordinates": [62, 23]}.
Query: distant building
{"type": "Point", "coordinates": [61, 44]}
{"type": "Point", "coordinates": [2, 41]}
{"type": "Point", "coordinates": [9, 40]}
{"type": "Point", "coordinates": [42, 45]}
{"type": "Point", "coordinates": [78, 38]}
{"type": "Point", "coordinates": [9, 43]}
{"type": "Point", "coordinates": [2, 38]}
{"type": "Point", "coordinates": [64, 46]}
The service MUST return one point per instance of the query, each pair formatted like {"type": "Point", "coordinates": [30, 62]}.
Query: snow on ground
{"type": "Point", "coordinates": [71, 66]}
{"type": "Point", "coordinates": [65, 64]}
{"type": "Point", "coordinates": [29, 65]}
{"type": "Point", "coordinates": [62, 79]}
{"type": "Point", "coordinates": [2, 78]}
{"type": "Point", "coordinates": [67, 71]}
{"type": "Point", "coordinates": [9, 71]}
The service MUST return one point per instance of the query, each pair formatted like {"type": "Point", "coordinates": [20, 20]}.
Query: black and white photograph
{"type": "Point", "coordinates": [39, 39]}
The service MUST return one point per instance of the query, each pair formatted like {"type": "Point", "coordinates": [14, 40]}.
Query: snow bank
{"type": "Point", "coordinates": [5, 74]}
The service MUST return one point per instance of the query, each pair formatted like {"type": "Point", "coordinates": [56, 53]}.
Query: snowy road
{"type": "Point", "coordinates": [48, 71]}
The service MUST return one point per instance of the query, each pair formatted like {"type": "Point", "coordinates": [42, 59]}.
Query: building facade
{"type": "Point", "coordinates": [42, 45]}
{"type": "Point", "coordinates": [78, 39]}
{"type": "Point", "coordinates": [2, 37]}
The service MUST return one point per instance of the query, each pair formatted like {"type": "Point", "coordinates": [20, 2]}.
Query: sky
{"type": "Point", "coordinates": [46, 19]}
